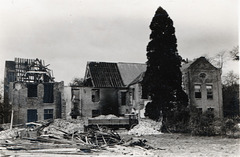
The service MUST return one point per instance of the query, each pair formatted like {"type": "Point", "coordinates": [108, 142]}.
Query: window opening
{"type": "Point", "coordinates": [209, 92]}
{"type": "Point", "coordinates": [48, 113]}
{"type": "Point", "coordinates": [32, 115]}
{"type": "Point", "coordinates": [32, 90]}
{"type": "Point", "coordinates": [199, 110]}
{"type": "Point", "coordinates": [197, 89]}
{"type": "Point", "coordinates": [95, 95]}
{"type": "Point", "coordinates": [95, 113]}
{"type": "Point", "coordinates": [210, 109]}
{"type": "Point", "coordinates": [123, 98]}
{"type": "Point", "coordinates": [48, 93]}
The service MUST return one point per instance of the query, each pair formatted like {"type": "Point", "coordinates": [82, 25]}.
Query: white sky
{"type": "Point", "coordinates": [68, 33]}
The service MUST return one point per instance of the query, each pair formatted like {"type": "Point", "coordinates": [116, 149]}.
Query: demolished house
{"type": "Point", "coordinates": [115, 88]}
{"type": "Point", "coordinates": [110, 88]}
{"type": "Point", "coordinates": [106, 89]}
{"type": "Point", "coordinates": [31, 90]}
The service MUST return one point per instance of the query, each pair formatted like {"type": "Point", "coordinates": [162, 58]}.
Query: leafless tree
{"type": "Point", "coordinates": [235, 53]}
{"type": "Point", "coordinates": [230, 79]}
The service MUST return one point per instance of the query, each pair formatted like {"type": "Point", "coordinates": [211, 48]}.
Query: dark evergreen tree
{"type": "Point", "coordinates": [163, 77]}
{"type": "Point", "coordinates": [231, 95]}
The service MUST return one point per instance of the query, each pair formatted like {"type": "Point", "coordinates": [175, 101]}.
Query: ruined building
{"type": "Point", "coordinates": [32, 91]}
{"type": "Point", "coordinates": [116, 88]}
{"type": "Point", "coordinates": [106, 89]}
{"type": "Point", "coordinates": [109, 88]}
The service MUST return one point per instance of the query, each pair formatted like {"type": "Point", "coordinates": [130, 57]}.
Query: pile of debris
{"type": "Point", "coordinates": [60, 127]}
{"type": "Point", "coordinates": [65, 133]}
{"type": "Point", "coordinates": [4, 126]}
{"type": "Point", "coordinates": [146, 127]}
{"type": "Point", "coordinates": [110, 116]}
{"type": "Point", "coordinates": [58, 131]}
{"type": "Point", "coordinates": [10, 133]}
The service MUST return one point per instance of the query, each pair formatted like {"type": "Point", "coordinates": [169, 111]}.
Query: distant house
{"type": "Point", "coordinates": [107, 89]}
{"type": "Point", "coordinates": [202, 83]}
{"type": "Point", "coordinates": [31, 90]}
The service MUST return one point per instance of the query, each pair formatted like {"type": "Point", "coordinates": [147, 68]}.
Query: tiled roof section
{"type": "Point", "coordinates": [130, 71]}
{"type": "Point", "coordinates": [105, 74]}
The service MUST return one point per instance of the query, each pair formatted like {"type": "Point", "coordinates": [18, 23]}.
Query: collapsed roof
{"type": "Point", "coordinates": [105, 74]}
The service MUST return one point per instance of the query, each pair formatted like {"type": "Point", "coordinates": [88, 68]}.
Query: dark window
{"type": "Point", "coordinates": [123, 98]}
{"type": "Point", "coordinates": [95, 113]}
{"type": "Point", "coordinates": [48, 93]}
{"type": "Point", "coordinates": [95, 95]}
{"type": "Point", "coordinates": [202, 75]}
{"type": "Point", "coordinates": [32, 90]}
{"type": "Point", "coordinates": [210, 109]}
{"type": "Point", "coordinates": [11, 76]}
{"type": "Point", "coordinates": [32, 115]}
{"type": "Point", "coordinates": [197, 90]}
{"type": "Point", "coordinates": [199, 110]}
{"type": "Point", "coordinates": [48, 113]}
{"type": "Point", "coordinates": [209, 92]}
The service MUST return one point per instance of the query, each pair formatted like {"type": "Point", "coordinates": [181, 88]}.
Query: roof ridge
{"type": "Point", "coordinates": [131, 63]}
{"type": "Point", "coordinates": [115, 62]}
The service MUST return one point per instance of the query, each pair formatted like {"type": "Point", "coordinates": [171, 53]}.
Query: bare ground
{"type": "Point", "coordinates": [166, 145]}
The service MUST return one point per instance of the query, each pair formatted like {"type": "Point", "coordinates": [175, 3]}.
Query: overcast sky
{"type": "Point", "coordinates": [68, 33]}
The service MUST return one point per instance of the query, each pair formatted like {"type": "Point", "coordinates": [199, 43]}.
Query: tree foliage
{"type": "Point", "coordinates": [231, 95]}
{"type": "Point", "coordinates": [77, 82]}
{"type": "Point", "coordinates": [163, 77]}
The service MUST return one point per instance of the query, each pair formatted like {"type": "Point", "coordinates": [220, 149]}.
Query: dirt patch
{"type": "Point", "coordinates": [187, 145]}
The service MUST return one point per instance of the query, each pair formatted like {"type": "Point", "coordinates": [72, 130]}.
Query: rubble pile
{"type": "Point", "coordinates": [146, 127]}
{"type": "Point", "coordinates": [67, 133]}
{"type": "Point", "coordinates": [60, 126]}
{"type": "Point", "coordinates": [4, 126]}
{"type": "Point", "coordinates": [110, 116]}
{"type": "Point", "coordinates": [8, 134]}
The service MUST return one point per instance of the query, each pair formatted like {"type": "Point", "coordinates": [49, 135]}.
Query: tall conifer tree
{"type": "Point", "coordinates": [163, 77]}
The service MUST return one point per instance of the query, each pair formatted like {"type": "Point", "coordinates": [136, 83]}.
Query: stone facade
{"type": "Point", "coordinates": [138, 102]}
{"type": "Point", "coordinates": [91, 102]}
{"type": "Point", "coordinates": [30, 89]}
{"type": "Point", "coordinates": [27, 109]}
{"type": "Point", "coordinates": [202, 83]}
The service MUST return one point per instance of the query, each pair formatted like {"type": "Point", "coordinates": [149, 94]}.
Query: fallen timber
{"type": "Point", "coordinates": [36, 138]}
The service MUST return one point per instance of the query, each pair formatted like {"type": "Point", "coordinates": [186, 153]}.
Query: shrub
{"type": "Point", "coordinates": [231, 127]}
{"type": "Point", "coordinates": [205, 124]}
{"type": "Point", "coordinates": [178, 119]}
